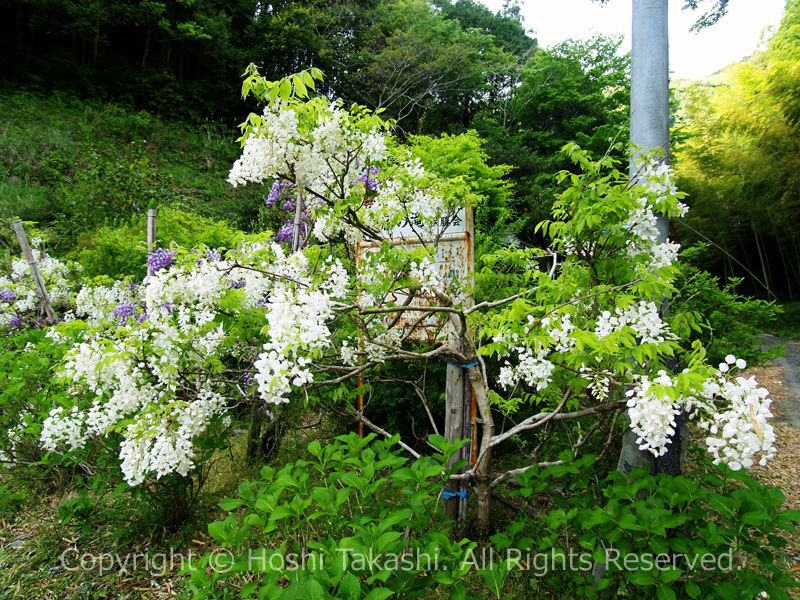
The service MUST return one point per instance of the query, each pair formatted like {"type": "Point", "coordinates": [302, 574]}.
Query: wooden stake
{"type": "Point", "coordinates": [454, 431]}
{"type": "Point", "coordinates": [28, 254]}
{"type": "Point", "coordinates": [152, 223]}
{"type": "Point", "coordinates": [466, 451]}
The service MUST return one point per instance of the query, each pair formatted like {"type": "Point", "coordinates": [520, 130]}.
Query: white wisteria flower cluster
{"type": "Point", "coordinates": [297, 316]}
{"type": "Point", "coordinates": [642, 318]}
{"type": "Point", "coordinates": [653, 412]}
{"type": "Point", "coordinates": [19, 297]}
{"type": "Point", "coordinates": [659, 187]}
{"type": "Point", "coordinates": [142, 369]}
{"type": "Point", "coordinates": [733, 411]}
{"type": "Point", "coordinates": [335, 159]}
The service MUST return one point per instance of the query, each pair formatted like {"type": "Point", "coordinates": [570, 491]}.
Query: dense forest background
{"type": "Point", "coordinates": [161, 80]}
{"type": "Point", "coordinates": [736, 154]}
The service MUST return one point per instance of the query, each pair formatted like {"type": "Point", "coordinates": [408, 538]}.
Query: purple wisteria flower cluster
{"type": "Point", "coordinates": [212, 255]}
{"type": "Point", "coordinates": [368, 179]}
{"type": "Point", "coordinates": [282, 191]}
{"type": "Point", "coordinates": [9, 298]}
{"type": "Point", "coordinates": [123, 312]}
{"type": "Point", "coordinates": [286, 232]}
{"type": "Point", "coordinates": [161, 258]}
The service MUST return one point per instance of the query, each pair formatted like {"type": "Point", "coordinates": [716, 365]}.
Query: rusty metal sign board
{"type": "Point", "coordinates": [459, 222]}
{"type": "Point", "coordinates": [453, 259]}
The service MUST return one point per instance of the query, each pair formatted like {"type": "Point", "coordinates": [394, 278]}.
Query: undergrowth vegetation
{"type": "Point", "coordinates": [73, 166]}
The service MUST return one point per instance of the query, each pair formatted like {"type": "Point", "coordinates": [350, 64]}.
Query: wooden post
{"type": "Point", "coordinates": [458, 426]}
{"type": "Point", "coordinates": [453, 427]}
{"type": "Point", "coordinates": [474, 410]}
{"type": "Point", "coordinates": [152, 223]}
{"type": "Point", "coordinates": [37, 277]}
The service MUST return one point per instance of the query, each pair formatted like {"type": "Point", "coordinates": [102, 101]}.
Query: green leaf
{"type": "Point", "coordinates": [350, 587]}
{"type": "Point", "coordinates": [230, 503]}
{"type": "Point", "coordinates": [315, 449]}
{"type": "Point", "coordinates": [285, 90]}
{"type": "Point", "coordinates": [670, 574]}
{"type": "Point", "coordinates": [664, 592]}
{"type": "Point", "coordinates": [300, 88]}
{"type": "Point", "coordinates": [692, 589]}
{"type": "Point", "coordinates": [281, 512]}
{"type": "Point", "coordinates": [249, 589]}
{"type": "Point", "coordinates": [385, 539]}
{"type": "Point", "coordinates": [378, 594]}
{"type": "Point", "coordinates": [217, 530]}
{"type": "Point", "coordinates": [395, 517]}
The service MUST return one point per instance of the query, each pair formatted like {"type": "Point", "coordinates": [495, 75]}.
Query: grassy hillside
{"type": "Point", "coordinates": [72, 166]}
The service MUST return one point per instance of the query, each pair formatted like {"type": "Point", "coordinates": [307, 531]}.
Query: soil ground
{"type": "Point", "coordinates": [782, 378]}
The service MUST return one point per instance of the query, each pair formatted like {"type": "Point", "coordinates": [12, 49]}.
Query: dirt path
{"type": "Point", "coordinates": [787, 409]}
{"type": "Point", "coordinates": [782, 378]}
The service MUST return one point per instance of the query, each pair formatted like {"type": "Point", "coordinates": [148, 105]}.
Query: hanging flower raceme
{"type": "Point", "coordinates": [336, 160]}
{"type": "Point", "coordinates": [161, 258]}
{"type": "Point", "coordinates": [145, 358]}
{"type": "Point", "coordinates": [610, 339]}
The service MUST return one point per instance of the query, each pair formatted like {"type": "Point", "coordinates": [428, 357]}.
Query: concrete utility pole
{"type": "Point", "coordinates": [650, 75]}
{"type": "Point", "coordinates": [650, 134]}
{"type": "Point", "coordinates": [650, 85]}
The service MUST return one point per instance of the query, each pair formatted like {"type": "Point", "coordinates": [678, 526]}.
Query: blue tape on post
{"type": "Point", "coordinates": [447, 494]}
{"type": "Point", "coordinates": [469, 366]}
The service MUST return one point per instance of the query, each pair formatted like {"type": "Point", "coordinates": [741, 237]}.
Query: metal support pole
{"type": "Point", "coordinates": [298, 210]}
{"type": "Point", "coordinates": [152, 220]}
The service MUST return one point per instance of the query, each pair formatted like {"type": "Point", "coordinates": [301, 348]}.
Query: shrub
{"type": "Point", "coordinates": [732, 321]}
{"type": "Point", "coordinates": [28, 394]}
{"type": "Point", "coordinates": [121, 251]}
{"type": "Point", "coordinates": [109, 188]}
{"type": "Point", "coordinates": [713, 534]}
{"type": "Point", "coordinates": [302, 531]}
